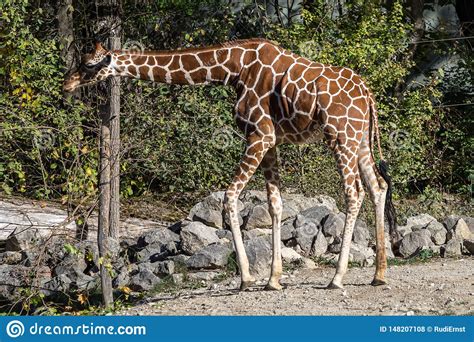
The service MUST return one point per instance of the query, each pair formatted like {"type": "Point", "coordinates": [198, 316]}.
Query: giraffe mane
{"type": "Point", "coordinates": [231, 43]}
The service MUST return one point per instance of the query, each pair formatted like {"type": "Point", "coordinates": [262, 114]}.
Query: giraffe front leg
{"type": "Point", "coordinates": [254, 153]}
{"type": "Point", "coordinates": [230, 206]}
{"type": "Point", "coordinates": [272, 178]}
{"type": "Point", "coordinates": [353, 206]}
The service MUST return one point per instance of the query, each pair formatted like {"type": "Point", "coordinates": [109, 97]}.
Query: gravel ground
{"type": "Point", "coordinates": [437, 287]}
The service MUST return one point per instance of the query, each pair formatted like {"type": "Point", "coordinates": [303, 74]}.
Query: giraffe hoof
{"type": "Point", "coordinates": [273, 287]}
{"type": "Point", "coordinates": [378, 282]}
{"type": "Point", "coordinates": [334, 286]}
{"type": "Point", "coordinates": [246, 284]}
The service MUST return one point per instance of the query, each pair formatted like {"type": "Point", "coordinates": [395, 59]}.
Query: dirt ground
{"type": "Point", "coordinates": [437, 287]}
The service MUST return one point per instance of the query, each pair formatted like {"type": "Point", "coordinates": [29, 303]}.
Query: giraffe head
{"type": "Point", "coordinates": [94, 67]}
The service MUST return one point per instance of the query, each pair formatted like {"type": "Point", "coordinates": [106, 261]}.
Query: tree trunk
{"type": "Point", "coordinates": [67, 53]}
{"type": "Point", "coordinates": [416, 15]}
{"type": "Point", "coordinates": [115, 142]}
{"type": "Point", "coordinates": [104, 209]}
{"type": "Point", "coordinates": [66, 32]}
{"type": "Point", "coordinates": [108, 17]}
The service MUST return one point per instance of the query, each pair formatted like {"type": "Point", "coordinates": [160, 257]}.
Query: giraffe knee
{"type": "Point", "coordinates": [230, 201]}
{"type": "Point", "coordinates": [275, 205]}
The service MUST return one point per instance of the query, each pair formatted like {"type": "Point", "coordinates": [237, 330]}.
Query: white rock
{"type": "Point", "coordinates": [289, 254]}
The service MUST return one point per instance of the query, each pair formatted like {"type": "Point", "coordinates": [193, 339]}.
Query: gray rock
{"type": "Point", "coordinates": [11, 278]}
{"type": "Point", "coordinates": [297, 203]}
{"type": "Point", "coordinates": [420, 220]}
{"type": "Point", "coordinates": [305, 236]}
{"type": "Point", "coordinates": [460, 231]}
{"type": "Point", "coordinates": [25, 239]}
{"type": "Point", "coordinates": [403, 230]}
{"type": "Point", "coordinates": [144, 280]}
{"type": "Point", "coordinates": [452, 248]}
{"type": "Point", "coordinates": [300, 220]}
{"type": "Point", "coordinates": [418, 227]}
{"type": "Point", "coordinates": [438, 232]}
{"type": "Point", "coordinates": [10, 258]}
{"type": "Point", "coordinates": [197, 235]}
{"type": "Point", "coordinates": [287, 231]}
{"type": "Point", "coordinates": [73, 267]}
{"type": "Point", "coordinates": [361, 254]}
{"type": "Point", "coordinates": [256, 232]}
{"type": "Point", "coordinates": [412, 243]}
{"type": "Point", "coordinates": [210, 210]}
{"type": "Point", "coordinates": [334, 225]}
{"type": "Point", "coordinates": [156, 252]}
{"type": "Point", "coordinates": [361, 235]}
{"type": "Point", "coordinates": [87, 282]}
{"type": "Point", "coordinates": [336, 245]}
{"type": "Point", "coordinates": [259, 252]}
{"type": "Point", "coordinates": [317, 215]}
{"type": "Point", "coordinates": [158, 236]}
{"type": "Point", "coordinates": [180, 259]}
{"type": "Point", "coordinates": [225, 234]}
{"type": "Point", "coordinates": [388, 247]}
{"type": "Point", "coordinates": [469, 246]}
{"type": "Point", "coordinates": [157, 245]}
{"type": "Point", "coordinates": [258, 217]}
{"type": "Point", "coordinates": [289, 210]}
{"type": "Point", "coordinates": [122, 279]}
{"type": "Point", "coordinates": [252, 198]}
{"type": "Point", "coordinates": [58, 284]}
{"type": "Point", "coordinates": [320, 245]}
{"type": "Point", "coordinates": [470, 223]}
{"type": "Point", "coordinates": [212, 256]}
{"type": "Point", "coordinates": [165, 267]}
{"type": "Point", "coordinates": [450, 222]}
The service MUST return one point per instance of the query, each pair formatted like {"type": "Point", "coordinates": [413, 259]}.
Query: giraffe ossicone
{"type": "Point", "coordinates": [281, 98]}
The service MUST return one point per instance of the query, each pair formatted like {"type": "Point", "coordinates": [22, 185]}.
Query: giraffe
{"type": "Point", "coordinates": [281, 98]}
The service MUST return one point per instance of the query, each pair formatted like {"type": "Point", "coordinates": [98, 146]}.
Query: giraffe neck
{"type": "Point", "coordinates": [188, 66]}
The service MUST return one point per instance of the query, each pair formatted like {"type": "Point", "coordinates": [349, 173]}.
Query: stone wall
{"type": "Point", "coordinates": [200, 247]}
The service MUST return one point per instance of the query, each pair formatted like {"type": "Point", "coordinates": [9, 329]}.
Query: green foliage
{"type": "Point", "coordinates": [179, 140]}
{"type": "Point", "coordinates": [183, 141]}
{"type": "Point", "coordinates": [44, 150]}
{"type": "Point", "coordinates": [70, 249]}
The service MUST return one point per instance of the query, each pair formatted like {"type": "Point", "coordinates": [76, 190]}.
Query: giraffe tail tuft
{"type": "Point", "coordinates": [390, 213]}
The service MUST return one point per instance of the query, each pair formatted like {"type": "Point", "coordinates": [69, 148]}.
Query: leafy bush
{"type": "Point", "coordinates": [181, 139]}
{"type": "Point", "coordinates": [45, 151]}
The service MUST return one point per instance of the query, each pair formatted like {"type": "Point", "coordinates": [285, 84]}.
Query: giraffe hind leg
{"type": "Point", "coordinates": [377, 191]}
{"type": "Point", "coordinates": [272, 178]}
{"type": "Point", "coordinates": [354, 195]}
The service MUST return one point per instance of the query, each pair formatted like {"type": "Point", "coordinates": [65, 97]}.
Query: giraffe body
{"type": "Point", "coordinates": [281, 98]}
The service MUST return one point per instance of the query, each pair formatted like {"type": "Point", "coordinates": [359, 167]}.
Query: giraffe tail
{"type": "Point", "coordinates": [390, 213]}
